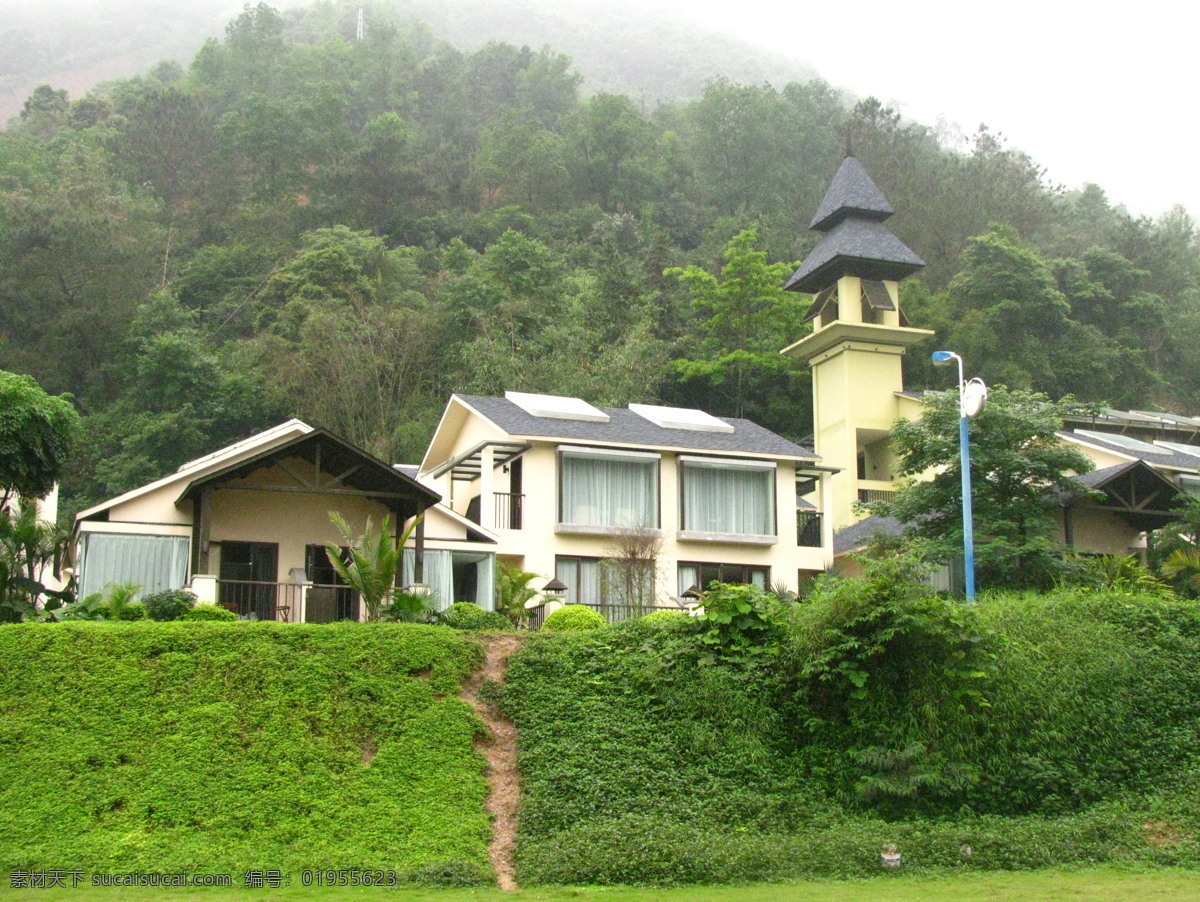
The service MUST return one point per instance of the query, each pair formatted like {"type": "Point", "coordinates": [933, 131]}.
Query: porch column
{"type": "Point", "coordinates": [487, 478]}
{"type": "Point", "coordinates": [419, 552]}
{"type": "Point", "coordinates": [201, 528]}
{"type": "Point", "coordinates": [825, 481]}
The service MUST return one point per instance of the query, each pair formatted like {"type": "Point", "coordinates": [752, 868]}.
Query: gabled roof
{"type": "Point", "coordinates": [627, 428]}
{"type": "Point", "coordinates": [856, 535]}
{"type": "Point", "coordinates": [341, 467]}
{"type": "Point", "coordinates": [1135, 491]}
{"type": "Point", "coordinates": [851, 191]}
{"type": "Point", "coordinates": [1134, 449]}
{"type": "Point", "coordinates": [268, 438]}
{"type": "Point", "coordinates": [862, 247]}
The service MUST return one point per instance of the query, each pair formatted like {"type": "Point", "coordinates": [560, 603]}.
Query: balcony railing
{"type": "Point", "coordinates": [866, 496]}
{"type": "Point", "coordinates": [287, 602]}
{"type": "Point", "coordinates": [509, 510]}
{"type": "Point", "coordinates": [808, 529]}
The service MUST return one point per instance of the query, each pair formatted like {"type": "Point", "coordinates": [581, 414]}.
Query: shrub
{"type": "Point", "coordinates": [466, 615]}
{"type": "Point", "coordinates": [170, 604]}
{"type": "Point", "coordinates": [662, 618]}
{"type": "Point", "coordinates": [572, 617]}
{"type": "Point", "coordinates": [117, 597]}
{"type": "Point", "coordinates": [208, 612]}
{"type": "Point", "coordinates": [409, 607]}
{"type": "Point", "coordinates": [134, 610]}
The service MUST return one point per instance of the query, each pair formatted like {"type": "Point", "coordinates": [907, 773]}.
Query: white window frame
{"type": "Point", "coordinates": [606, 454]}
{"type": "Point", "coordinates": [684, 461]}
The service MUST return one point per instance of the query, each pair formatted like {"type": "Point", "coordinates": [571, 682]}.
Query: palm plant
{"type": "Point", "coordinates": [371, 561]}
{"type": "Point", "coordinates": [513, 590]}
{"type": "Point", "coordinates": [27, 547]}
{"type": "Point", "coordinates": [1183, 569]}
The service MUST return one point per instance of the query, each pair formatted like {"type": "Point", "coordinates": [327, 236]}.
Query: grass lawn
{"type": "Point", "coordinates": [1093, 885]}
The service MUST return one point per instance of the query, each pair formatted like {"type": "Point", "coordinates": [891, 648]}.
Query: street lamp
{"type": "Point", "coordinates": [971, 398]}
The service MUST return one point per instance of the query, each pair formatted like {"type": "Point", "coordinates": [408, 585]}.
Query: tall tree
{"type": "Point", "coordinates": [1018, 463]}
{"type": "Point", "coordinates": [37, 432]}
{"type": "Point", "coordinates": [730, 363]}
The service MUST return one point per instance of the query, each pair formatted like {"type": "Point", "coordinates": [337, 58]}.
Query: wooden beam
{"type": "Point", "coordinates": [361, 493]}
{"type": "Point", "coordinates": [296, 476]}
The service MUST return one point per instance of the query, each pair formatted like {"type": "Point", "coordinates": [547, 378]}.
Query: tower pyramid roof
{"type": "Point", "coordinates": [856, 242]}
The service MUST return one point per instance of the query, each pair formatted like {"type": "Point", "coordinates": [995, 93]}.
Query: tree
{"type": "Point", "coordinates": [743, 318]}
{"type": "Point", "coordinates": [37, 431]}
{"type": "Point", "coordinates": [1017, 464]}
{"type": "Point", "coordinates": [371, 561]}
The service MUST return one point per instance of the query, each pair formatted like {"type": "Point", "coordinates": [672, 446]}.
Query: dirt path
{"type": "Point", "coordinates": [500, 750]}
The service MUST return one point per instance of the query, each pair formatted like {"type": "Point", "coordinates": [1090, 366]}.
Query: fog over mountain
{"type": "Point", "coordinates": [1092, 96]}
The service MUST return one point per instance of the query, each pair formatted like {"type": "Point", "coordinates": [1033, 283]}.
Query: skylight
{"type": "Point", "coordinates": [1121, 441]}
{"type": "Point", "coordinates": [556, 407]}
{"type": "Point", "coordinates": [1190, 450]}
{"type": "Point", "coordinates": [680, 418]}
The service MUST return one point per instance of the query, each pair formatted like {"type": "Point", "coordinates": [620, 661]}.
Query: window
{"type": "Point", "coordinates": [153, 562]}
{"type": "Point", "coordinates": [699, 574]}
{"type": "Point", "coordinates": [453, 576]}
{"type": "Point", "coordinates": [602, 490]}
{"type": "Point", "coordinates": [581, 576]}
{"type": "Point", "coordinates": [727, 497]}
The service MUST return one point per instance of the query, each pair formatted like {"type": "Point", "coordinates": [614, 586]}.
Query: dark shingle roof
{"type": "Point", "coordinates": [851, 191]}
{"type": "Point", "coordinates": [858, 534]}
{"type": "Point", "coordinates": [1167, 458]}
{"type": "Point", "coordinates": [862, 247]}
{"type": "Point", "coordinates": [628, 428]}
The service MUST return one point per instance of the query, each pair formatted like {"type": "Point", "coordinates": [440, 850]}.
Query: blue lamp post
{"type": "Point", "coordinates": [971, 398]}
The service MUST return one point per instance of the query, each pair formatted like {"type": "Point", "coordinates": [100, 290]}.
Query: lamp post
{"type": "Point", "coordinates": [971, 398]}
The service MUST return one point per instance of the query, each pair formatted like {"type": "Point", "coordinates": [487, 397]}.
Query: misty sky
{"type": "Point", "coordinates": [1093, 94]}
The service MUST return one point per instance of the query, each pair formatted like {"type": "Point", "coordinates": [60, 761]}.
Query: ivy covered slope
{"type": "Point", "coordinates": [222, 747]}
{"type": "Point", "coordinates": [797, 740]}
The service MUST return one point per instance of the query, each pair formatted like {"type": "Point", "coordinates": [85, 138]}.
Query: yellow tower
{"type": "Point", "coordinates": [859, 336]}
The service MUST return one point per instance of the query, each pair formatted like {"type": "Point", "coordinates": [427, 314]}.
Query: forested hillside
{"type": "Point", "coordinates": [302, 224]}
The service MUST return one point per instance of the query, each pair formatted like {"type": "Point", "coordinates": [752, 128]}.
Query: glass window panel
{"type": "Point", "coordinates": [732, 501]}
{"type": "Point", "coordinates": [153, 562]}
{"type": "Point", "coordinates": [689, 576]}
{"type": "Point", "coordinates": [599, 491]}
{"type": "Point", "coordinates": [581, 576]}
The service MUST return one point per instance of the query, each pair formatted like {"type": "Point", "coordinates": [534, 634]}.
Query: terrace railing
{"type": "Point", "coordinates": [287, 602]}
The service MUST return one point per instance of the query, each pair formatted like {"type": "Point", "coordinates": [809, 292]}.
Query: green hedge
{"type": "Point", "coordinates": [646, 759]}
{"type": "Point", "coordinates": [222, 747]}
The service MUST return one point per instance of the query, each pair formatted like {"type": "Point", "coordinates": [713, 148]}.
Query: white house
{"type": "Point", "coordinates": [560, 483]}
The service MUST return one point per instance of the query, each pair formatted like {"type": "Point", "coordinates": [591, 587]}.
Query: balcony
{"type": "Point", "coordinates": [808, 529]}
{"type": "Point", "coordinates": [875, 490]}
{"type": "Point", "coordinates": [509, 510]}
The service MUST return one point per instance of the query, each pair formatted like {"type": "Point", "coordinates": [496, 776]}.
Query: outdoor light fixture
{"type": "Point", "coordinates": [972, 396]}
{"type": "Point", "coordinates": [554, 587]}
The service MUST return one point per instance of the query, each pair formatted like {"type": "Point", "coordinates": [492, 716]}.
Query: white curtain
{"type": "Point", "coordinates": [599, 490]}
{"type": "Point", "coordinates": [485, 582]}
{"type": "Point", "coordinates": [689, 575]}
{"type": "Point", "coordinates": [439, 575]}
{"type": "Point", "coordinates": [153, 562]}
{"type": "Point", "coordinates": [721, 498]}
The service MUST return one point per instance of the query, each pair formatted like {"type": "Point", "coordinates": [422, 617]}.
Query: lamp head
{"type": "Point", "coordinates": [943, 358]}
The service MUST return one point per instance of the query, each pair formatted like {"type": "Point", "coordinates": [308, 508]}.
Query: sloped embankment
{"type": "Point", "coordinates": [499, 749]}
{"type": "Point", "coordinates": [226, 747]}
